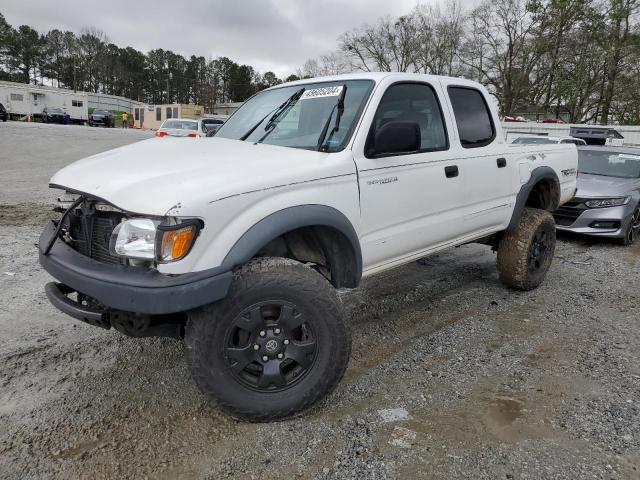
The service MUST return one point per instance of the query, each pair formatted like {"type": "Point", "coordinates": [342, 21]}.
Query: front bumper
{"type": "Point", "coordinates": [609, 222]}
{"type": "Point", "coordinates": [130, 289]}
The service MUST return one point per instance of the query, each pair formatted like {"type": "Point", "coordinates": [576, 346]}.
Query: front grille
{"type": "Point", "coordinates": [568, 213]}
{"type": "Point", "coordinates": [90, 234]}
{"type": "Point", "coordinates": [100, 237]}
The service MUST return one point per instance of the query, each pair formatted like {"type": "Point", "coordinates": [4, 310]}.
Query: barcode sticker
{"type": "Point", "coordinates": [322, 92]}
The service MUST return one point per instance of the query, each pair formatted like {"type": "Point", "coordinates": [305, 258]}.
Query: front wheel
{"type": "Point", "coordinates": [525, 254]}
{"type": "Point", "coordinates": [633, 229]}
{"type": "Point", "coordinates": [274, 346]}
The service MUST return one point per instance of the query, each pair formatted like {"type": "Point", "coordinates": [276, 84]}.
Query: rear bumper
{"type": "Point", "coordinates": [131, 289]}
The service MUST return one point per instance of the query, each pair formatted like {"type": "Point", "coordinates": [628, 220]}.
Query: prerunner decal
{"type": "Point", "coordinates": [322, 92]}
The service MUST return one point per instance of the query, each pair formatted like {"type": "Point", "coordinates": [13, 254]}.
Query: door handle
{"type": "Point", "coordinates": [451, 171]}
{"type": "Point", "coordinates": [502, 162]}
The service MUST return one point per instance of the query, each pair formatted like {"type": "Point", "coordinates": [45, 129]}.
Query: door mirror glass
{"type": "Point", "coordinates": [396, 137]}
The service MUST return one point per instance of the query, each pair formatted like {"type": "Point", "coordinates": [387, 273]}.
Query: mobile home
{"type": "Point", "coordinates": [22, 100]}
{"type": "Point", "coordinates": [152, 116]}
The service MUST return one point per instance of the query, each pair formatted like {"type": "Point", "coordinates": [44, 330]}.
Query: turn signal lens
{"type": "Point", "coordinates": [161, 134]}
{"type": "Point", "coordinates": [176, 243]}
{"type": "Point", "coordinates": [193, 135]}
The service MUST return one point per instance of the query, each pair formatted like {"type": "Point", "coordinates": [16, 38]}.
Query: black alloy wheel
{"type": "Point", "coordinates": [270, 346]}
{"type": "Point", "coordinates": [539, 250]}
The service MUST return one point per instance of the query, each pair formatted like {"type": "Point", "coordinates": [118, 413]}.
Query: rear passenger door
{"type": "Point", "coordinates": [486, 171]}
{"type": "Point", "coordinates": [409, 200]}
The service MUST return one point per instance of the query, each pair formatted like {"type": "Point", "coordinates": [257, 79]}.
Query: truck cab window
{"type": "Point", "coordinates": [415, 103]}
{"type": "Point", "coordinates": [473, 117]}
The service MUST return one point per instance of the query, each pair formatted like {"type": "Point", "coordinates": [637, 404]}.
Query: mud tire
{"type": "Point", "coordinates": [515, 265]}
{"type": "Point", "coordinates": [266, 280]}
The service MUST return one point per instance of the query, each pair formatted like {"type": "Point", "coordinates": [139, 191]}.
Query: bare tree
{"type": "Point", "coordinates": [436, 47]}
{"type": "Point", "coordinates": [387, 46]}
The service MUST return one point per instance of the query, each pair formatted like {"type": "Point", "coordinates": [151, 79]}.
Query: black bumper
{"type": "Point", "coordinates": [131, 289]}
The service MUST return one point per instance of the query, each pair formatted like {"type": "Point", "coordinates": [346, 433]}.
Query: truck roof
{"type": "Point", "coordinates": [379, 76]}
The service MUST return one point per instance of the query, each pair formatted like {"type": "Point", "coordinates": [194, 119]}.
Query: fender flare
{"type": "Point", "coordinates": [286, 220]}
{"type": "Point", "coordinates": [538, 174]}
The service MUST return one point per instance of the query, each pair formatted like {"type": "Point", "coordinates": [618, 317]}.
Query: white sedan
{"type": "Point", "coordinates": [180, 127]}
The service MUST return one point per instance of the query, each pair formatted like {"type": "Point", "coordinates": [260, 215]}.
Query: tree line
{"type": "Point", "coordinates": [578, 59]}
{"type": "Point", "coordinates": [89, 61]}
{"type": "Point", "coordinates": [574, 58]}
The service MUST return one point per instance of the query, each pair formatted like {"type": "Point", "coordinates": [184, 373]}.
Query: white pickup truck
{"type": "Point", "coordinates": [239, 243]}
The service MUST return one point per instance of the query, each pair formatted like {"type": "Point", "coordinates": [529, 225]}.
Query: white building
{"type": "Point", "coordinates": [21, 100]}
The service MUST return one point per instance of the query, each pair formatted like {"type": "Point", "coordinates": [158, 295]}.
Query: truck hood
{"type": "Point", "coordinates": [600, 186]}
{"type": "Point", "coordinates": [152, 176]}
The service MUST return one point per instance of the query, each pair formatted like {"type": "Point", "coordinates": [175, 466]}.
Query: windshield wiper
{"type": "Point", "coordinates": [321, 147]}
{"type": "Point", "coordinates": [276, 113]}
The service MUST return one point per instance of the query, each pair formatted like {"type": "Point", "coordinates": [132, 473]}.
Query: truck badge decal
{"type": "Point", "coordinates": [382, 181]}
{"type": "Point", "coordinates": [569, 173]}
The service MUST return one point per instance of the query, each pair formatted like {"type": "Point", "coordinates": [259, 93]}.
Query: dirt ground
{"type": "Point", "coordinates": [452, 375]}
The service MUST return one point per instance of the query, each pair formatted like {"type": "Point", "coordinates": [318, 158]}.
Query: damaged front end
{"type": "Point", "coordinates": [107, 281]}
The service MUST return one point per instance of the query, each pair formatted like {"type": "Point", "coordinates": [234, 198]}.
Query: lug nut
{"type": "Point", "coordinates": [280, 355]}
{"type": "Point", "coordinates": [263, 333]}
{"type": "Point", "coordinates": [256, 347]}
{"type": "Point", "coordinates": [277, 330]}
{"type": "Point", "coordinates": [265, 358]}
{"type": "Point", "coordinates": [286, 342]}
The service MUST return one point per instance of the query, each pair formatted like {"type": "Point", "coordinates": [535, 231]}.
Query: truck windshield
{"type": "Point", "coordinates": [609, 164]}
{"type": "Point", "coordinates": [301, 124]}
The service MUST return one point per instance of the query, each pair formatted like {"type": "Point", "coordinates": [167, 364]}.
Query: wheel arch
{"type": "Point", "coordinates": [541, 191]}
{"type": "Point", "coordinates": [307, 230]}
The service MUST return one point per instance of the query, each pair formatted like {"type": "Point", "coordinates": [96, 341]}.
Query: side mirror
{"type": "Point", "coordinates": [396, 137]}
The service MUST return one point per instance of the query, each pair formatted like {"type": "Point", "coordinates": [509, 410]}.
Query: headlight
{"type": "Point", "coordinates": [607, 202]}
{"type": "Point", "coordinates": [146, 239]}
{"type": "Point", "coordinates": [135, 238]}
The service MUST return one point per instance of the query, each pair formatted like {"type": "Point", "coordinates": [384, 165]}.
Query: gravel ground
{"type": "Point", "coordinates": [452, 375]}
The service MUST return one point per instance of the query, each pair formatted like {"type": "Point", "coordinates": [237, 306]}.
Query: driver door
{"type": "Point", "coordinates": [409, 200]}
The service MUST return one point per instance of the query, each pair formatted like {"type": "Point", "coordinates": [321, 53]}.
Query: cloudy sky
{"type": "Point", "coordinates": [277, 35]}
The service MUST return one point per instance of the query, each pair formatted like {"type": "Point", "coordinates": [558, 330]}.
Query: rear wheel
{"type": "Point", "coordinates": [525, 254]}
{"type": "Point", "coordinates": [274, 346]}
{"type": "Point", "coordinates": [633, 229]}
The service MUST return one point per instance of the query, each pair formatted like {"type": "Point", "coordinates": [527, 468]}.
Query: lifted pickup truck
{"type": "Point", "coordinates": [239, 243]}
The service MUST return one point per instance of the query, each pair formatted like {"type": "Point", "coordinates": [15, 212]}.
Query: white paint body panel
{"type": "Point", "coordinates": [402, 207]}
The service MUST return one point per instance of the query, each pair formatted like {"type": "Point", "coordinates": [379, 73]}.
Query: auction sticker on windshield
{"type": "Point", "coordinates": [322, 92]}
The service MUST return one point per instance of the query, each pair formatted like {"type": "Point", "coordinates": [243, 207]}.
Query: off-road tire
{"type": "Point", "coordinates": [268, 279]}
{"type": "Point", "coordinates": [516, 246]}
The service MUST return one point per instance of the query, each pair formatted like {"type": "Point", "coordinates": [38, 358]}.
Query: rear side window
{"type": "Point", "coordinates": [473, 117]}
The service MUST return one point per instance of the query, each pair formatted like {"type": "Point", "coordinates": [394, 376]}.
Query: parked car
{"type": "Point", "coordinates": [4, 115]}
{"type": "Point", "coordinates": [241, 243]}
{"type": "Point", "coordinates": [540, 140]}
{"type": "Point", "coordinates": [607, 203]}
{"type": "Point", "coordinates": [102, 117]}
{"type": "Point", "coordinates": [54, 115]}
{"type": "Point", "coordinates": [209, 126]}
{"type": "Point", "coordinates": [180, 127]}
